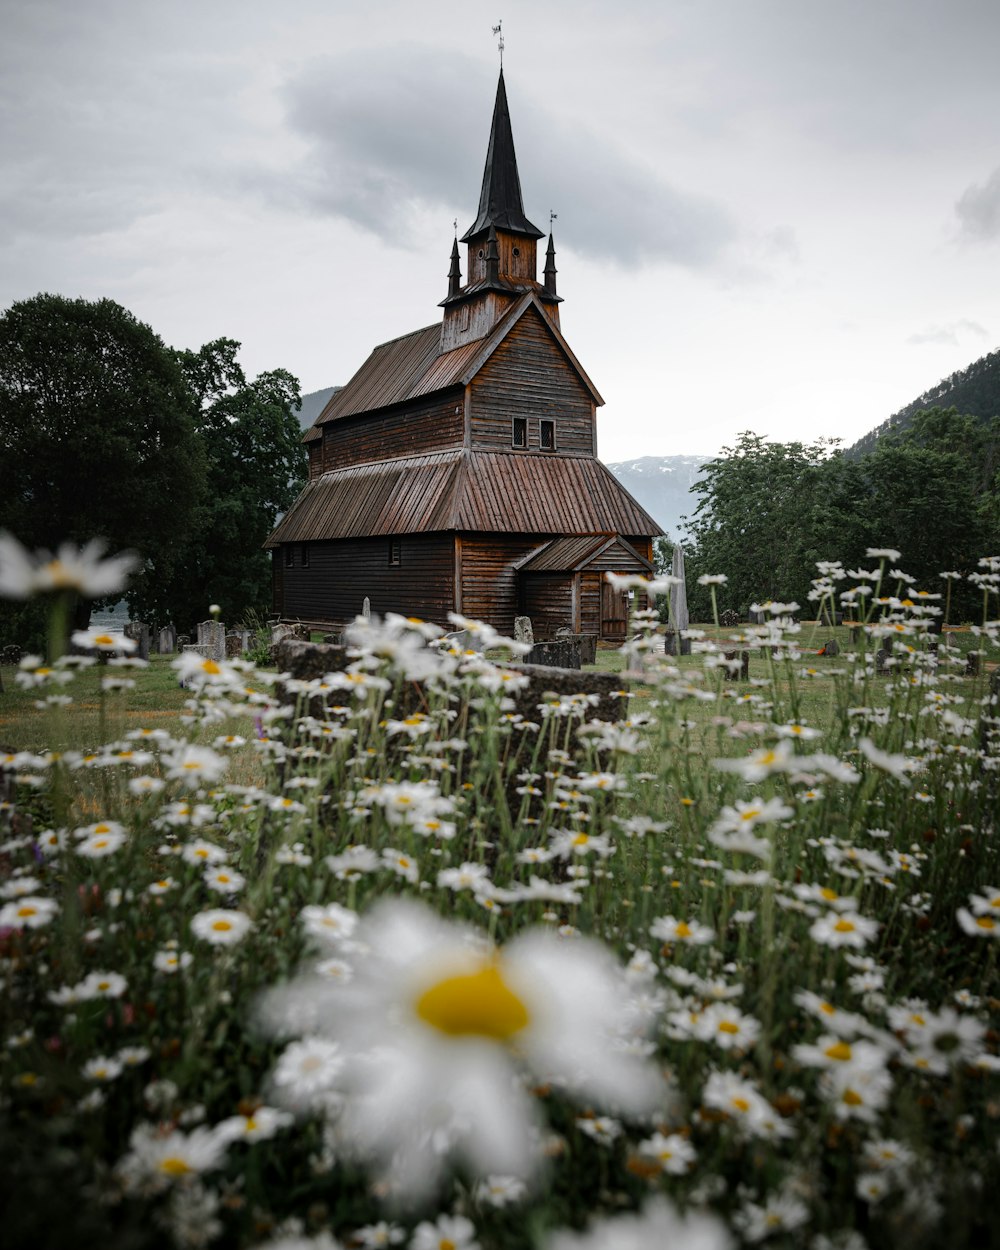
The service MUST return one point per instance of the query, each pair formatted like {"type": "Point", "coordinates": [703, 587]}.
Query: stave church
{"type": "Point", "coordinates": [457, 470]}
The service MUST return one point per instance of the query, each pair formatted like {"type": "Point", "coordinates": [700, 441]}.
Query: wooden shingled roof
{"type": "Point", "coordinates": [467, 492]}
{"type": "Point", "coordinates": [570, 554]}
{"type": "Point", "coordinates": [414, 365]}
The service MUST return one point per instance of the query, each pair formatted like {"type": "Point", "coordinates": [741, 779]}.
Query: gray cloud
{"type": "Point", "coordinates": [385, 137]}
{"type": "Point", "coordinates": [978, 210]}
{"type": "Point", "coordinates": [948, 335]}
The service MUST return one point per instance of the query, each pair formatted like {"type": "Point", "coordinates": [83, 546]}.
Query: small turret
{"type": "Point", "coordinates": [550, 268]}
{"type": "Point", "coordinates": [455, 272]}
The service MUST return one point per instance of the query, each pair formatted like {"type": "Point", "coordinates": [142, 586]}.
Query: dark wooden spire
{"type": "Point", "coordinates": [500, 202]}
{"type": "Point", "coordinates": [455, 272]}
{"type": "Point", "coordinates": [550, 268]}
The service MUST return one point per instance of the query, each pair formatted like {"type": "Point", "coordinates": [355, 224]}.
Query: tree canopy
{"type": "Point", "coordinates": [770, 511]}
{"type": "Point", "coordinates": [106, 432]}
{"type": "Point", "coordinates": [255, 465]}
{"type": "Point", "coordinates": [97, 429]}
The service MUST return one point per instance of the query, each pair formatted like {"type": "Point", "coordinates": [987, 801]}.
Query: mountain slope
{"type": "Point", "coordinates": [313, 404]}
{"type": "Point", "coordinates": [974, 390]}
{"type": "Point", "coordinates": [662, 484]}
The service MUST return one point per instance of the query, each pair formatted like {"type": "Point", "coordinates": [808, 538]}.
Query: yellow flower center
{"type": "Point", "coordinates": [751, 814]}
{"type": "Point", "coordinates": [104, 640]}
{"type": "Point", "coordinates": [581, 839]}
{"type": "Point", "coordinates": [683, 930]}
{"type": "Point", "coordinates": [474, 1004]}
{"type": "Point", "coordinates": [727, 1026]}
{"type": "Point", "coordinates": [173, 1166]}
{"type": "Point", "coordinates": [221, 926]}
{"type": "Point", "coordinates": [986, 922]}
{"type": "Point", "coordinates": [843, 926]}
{"type": "Point", "coordinates": [60, 575]}
{"type": "Point", "coordinates": [211, 667]}
{"type": "Point", "coordinates": [446, 1243]}
{"type": "Point", "coordinates": [27, 911]}
{"type": "Point", "coordinates": [828, 894]}
{"type": "Point", "coordinates": [840, 1051]}
{"type": "Point", "coordinates": [740, 1104]}
{"type": "Point", "coordinates": [250, 1125]}
{"type": "Point", "coordinates": [852, 1099]}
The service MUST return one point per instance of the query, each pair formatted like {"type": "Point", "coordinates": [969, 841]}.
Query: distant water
{"type": "Point", "coordinates": [112, 620]}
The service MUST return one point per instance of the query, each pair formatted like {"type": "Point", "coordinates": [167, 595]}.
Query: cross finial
{"type": "Point", "coordinates": [497, 31]}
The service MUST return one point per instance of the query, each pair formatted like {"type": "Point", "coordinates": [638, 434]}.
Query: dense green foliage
{"type": "Point", "coordinates": [97, 433]}
{"type": "Point", "coordinates": [255, 467]}
{"type": "Point", "coordinates": [107, 433]}
{"type": "Point", "coordinates": [770, 511]}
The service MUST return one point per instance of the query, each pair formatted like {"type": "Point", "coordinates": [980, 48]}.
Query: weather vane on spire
{"type": "Point", "coordinates": [498, 31]}
{"type": "Point", "coordinates": [553, 216]}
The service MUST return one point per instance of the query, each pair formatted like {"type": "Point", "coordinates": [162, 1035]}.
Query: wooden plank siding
{"type": "Point", "coordinates": [549, 600]}
{"type": "Point", "coordinates": [489, 582]}
{"type": "Point", "coordinates": [341, 573]}
{"type": "Point", "coordinates": [529, 376]}
{"type": "Point", "coordinates": [590, 602]}
{"type": "Point", "coordinates": [434, 424]}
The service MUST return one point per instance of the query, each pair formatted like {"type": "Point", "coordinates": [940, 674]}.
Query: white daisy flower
{"type": "Point", "coordinates": [32, 912]}
{"type": "Point", "coordinates": [660, 1224]}
{"type": "Point", "coordinates": [260, 1125]}
{"type": "Point", "coordinates": [158, 1159]}
{"type": "Point", "coordinates": [172, 961]}
{"type": "Point", "coordinates": [434, 1025]}
{"type": "Point", "coordinates": [221, 927]}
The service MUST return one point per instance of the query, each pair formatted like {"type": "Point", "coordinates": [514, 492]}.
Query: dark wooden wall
{"type": "Point", "coordinates": [489, 583]}
{"type": "Point", "coordinates": [548, 599]}
{"type": "Point", "coordinates": [422, 426]}
{"type": "Point", "coordinates": [528, 376]}
{"type": "Point", "coordinates": [341, 573]}
{"type": "Point", "coordinates": [590, 601]}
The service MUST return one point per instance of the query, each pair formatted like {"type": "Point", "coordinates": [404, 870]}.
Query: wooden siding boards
{"type": "Point", "coordinates": [434, 425]}
{"type": "Point", "coordinates": [529, 376]}
{"type": "Point", "coordinates": [489, 579]}
{"type": "Point", "coordinates": [342, 573]}
{"type": "Point", "coordinates": [548, 599]}
{"type": "Point", "coordinates": [413, 366]}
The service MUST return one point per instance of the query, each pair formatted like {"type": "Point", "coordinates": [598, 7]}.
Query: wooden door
{"type": "Point", "coordinates": [614, 612]}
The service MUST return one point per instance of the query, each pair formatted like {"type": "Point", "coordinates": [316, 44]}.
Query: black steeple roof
{"type": "Point", "coordinates": [500, 200]}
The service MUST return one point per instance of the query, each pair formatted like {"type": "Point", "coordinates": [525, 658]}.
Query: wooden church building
{"type": "Point", "coordinates": [457, 470]}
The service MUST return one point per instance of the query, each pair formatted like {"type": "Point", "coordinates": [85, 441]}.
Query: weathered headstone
{"type": "Point", "coordinates": [212, 634]}
{"type": "Point", "coordinates": [756, 616]}
{"type": "Point", "coordinates": [830, 647]}
{"type": "Point", "coordinates": [183, 641]}
{"type": "Point", "coordinates": [235, 645]}
{"type": "Point", "coordinates": [560, 653]}
{"type": "Point", "coordinates": [679, 617]}
{"type": "Point", "coordinates": [737, 665]}
{"type": "Point", "coordinates": [881, 660]}
{"type": "Point", "coordinates": [366, 609]}
{"type": "Point", "coordinates": [676, 644]}
{"type": "Point", "coordinates": [166, 641]}
{"type": "Point", "coordinates": [972, 664]}
{"type": "Point", "coordinates": [138, 632]}
{"type": "Point", "coordinates": [523, 631]}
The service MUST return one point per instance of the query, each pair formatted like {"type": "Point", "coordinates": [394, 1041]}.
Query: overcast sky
{"type": "Point", "coordinates": [773, 215]}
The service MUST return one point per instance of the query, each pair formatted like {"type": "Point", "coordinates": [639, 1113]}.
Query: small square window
{"type": "Point", "coordinates": [395, 552]}
{"type": "Point", "coordinates": [547, 435]}
{"type": "Point", "coordinates": [519, 434]}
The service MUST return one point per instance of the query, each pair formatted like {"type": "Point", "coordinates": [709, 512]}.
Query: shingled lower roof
{"type": "Point", "coordinates": [468, 492]}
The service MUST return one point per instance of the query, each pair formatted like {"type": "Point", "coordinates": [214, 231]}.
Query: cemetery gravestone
{"type": "Point", "coordinates": [523, 631]}
{"type": "Point", "coordinates": [138, 633]}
